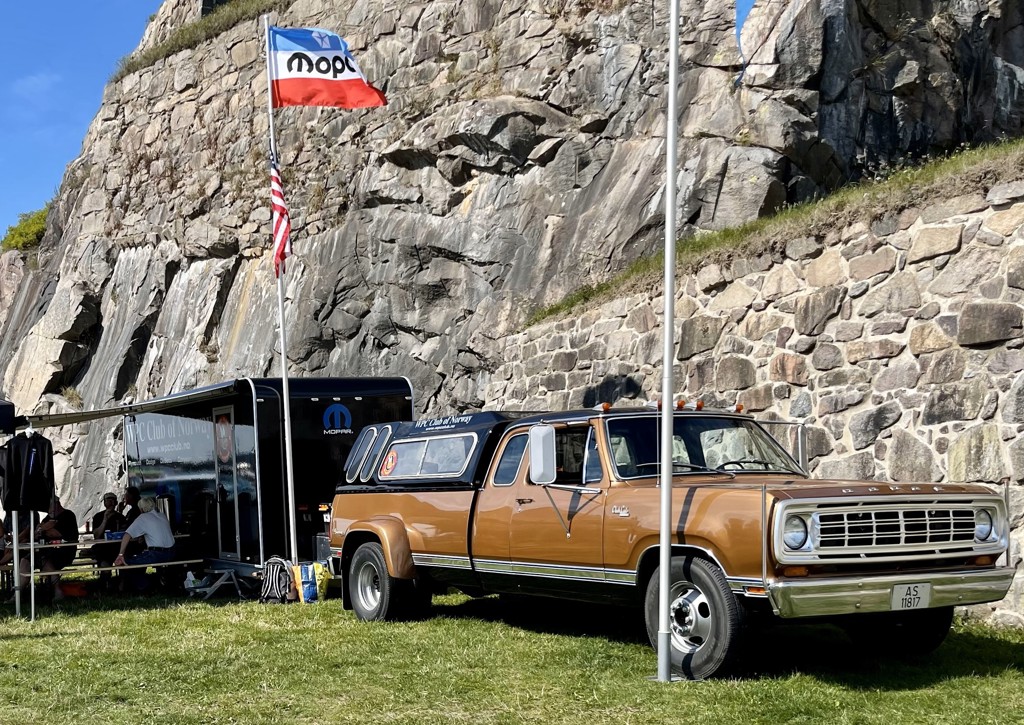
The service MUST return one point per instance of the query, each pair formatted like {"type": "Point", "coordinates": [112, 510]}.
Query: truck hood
{"type": "Point", "coordinates": [816, 488]}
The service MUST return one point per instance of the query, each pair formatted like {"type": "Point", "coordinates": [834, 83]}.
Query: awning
{"type": "Point", "coordinates": [198, 395]}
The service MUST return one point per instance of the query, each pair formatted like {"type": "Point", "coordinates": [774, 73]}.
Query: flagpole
{"type": "Point", "coordinates": [293, 540]}
{"type": "Point", "coordinates": [668, 353]}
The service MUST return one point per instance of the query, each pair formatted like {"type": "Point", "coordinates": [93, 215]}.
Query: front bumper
{"type": "Point", "coordinates": [853, 595]}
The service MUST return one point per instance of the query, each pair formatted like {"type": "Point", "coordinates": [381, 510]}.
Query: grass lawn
{"type": "Point", "coordinates": [474, 661]}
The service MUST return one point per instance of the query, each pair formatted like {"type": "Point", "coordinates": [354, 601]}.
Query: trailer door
{"type": "Point", "coordinates": [227, 481]}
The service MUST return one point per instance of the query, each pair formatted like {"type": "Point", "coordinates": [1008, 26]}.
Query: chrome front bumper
{"type": "Point", "coordinates": [852, 595]}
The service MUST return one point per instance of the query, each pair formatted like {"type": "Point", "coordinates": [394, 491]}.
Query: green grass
{"type": "Point", "coordinates": [473, 661]}
{"type": "Point", "coordinates": [191, 35]}
{"type": "Point", "coordinates": [972, 171]}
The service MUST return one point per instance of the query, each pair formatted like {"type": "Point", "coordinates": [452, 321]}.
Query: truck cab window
{"type": "Point", "coordinates": [570, 454]}
{"type": "Point", "coordinates": [508, 466]}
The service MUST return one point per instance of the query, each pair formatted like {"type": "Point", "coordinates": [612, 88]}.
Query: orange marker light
{"type": "Point", "coordinates": [700, 405]}
{"type": "Point", "coordinates": [739, 407]}
{"type": "Point", "coordinates": [680, 404]}
{"type": "Point", "coordinates": [795, 571]}
{"type": "Point", "coordinates": [605, 407]}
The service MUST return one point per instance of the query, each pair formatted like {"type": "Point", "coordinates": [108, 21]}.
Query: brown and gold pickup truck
{"type": "Point", "coordinates": [567, 505]}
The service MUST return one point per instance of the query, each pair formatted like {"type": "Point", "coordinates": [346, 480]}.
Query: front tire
{"type": "Point", "coordinates": [704, 618]}
{"type": "Point", "coordinates": [371, 589]}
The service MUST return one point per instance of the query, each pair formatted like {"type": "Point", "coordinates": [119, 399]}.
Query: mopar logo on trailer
{"type": "Point", "coordinates": [337, 420]}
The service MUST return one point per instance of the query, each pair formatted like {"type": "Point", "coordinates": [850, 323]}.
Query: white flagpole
{"type": "Point", "coordinates": [293, 539]}
{"type": "Point", "coordinates": [668, 353]}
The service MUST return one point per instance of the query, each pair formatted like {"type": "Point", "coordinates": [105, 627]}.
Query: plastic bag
{"type": "Point", "coordinates": [323, 578]}
{"type": "Point", "coordinates": [311, 580]}
{"type": "Point", "coordinates": [305, 581]}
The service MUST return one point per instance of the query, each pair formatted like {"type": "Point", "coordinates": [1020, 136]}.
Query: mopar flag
{"type": "Point", "coordinates": [313, 67]}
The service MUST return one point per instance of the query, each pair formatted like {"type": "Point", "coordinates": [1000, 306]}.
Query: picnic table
{"type": "Point", "coordinates": [82, 564]}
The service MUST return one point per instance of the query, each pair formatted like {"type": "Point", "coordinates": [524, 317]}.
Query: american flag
{"type": "Point", "coordinates": [279, 217]}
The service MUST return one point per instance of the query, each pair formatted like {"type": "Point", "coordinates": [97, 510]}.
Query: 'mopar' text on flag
{"type": "Point", "coordinates": [312, 67]}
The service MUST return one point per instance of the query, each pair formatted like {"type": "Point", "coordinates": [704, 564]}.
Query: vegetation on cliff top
{"type": "Point", "coordinates": [972, 171]}
{"type": "Point", "coordinates": [188, 36]}
{"type": "Point", "coordinates": [28, 232]}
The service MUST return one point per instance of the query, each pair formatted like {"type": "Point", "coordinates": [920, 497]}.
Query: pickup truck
{"type": "Point", "coordinates": [566, 504]}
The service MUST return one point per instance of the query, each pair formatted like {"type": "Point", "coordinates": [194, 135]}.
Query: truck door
{"type": "Point", "coordinates": [556, 532]}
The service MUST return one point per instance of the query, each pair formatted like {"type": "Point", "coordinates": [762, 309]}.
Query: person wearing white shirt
{"type": "Point", "coordinates": [156, 530]}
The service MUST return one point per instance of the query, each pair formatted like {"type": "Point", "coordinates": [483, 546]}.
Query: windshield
{"type": "Point", "coordinates": [699, 444]}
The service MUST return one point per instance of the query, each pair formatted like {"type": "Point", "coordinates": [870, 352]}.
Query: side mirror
{"type": "Point", "coordinates": [542, 454]}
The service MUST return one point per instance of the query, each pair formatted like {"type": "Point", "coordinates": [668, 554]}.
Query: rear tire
{"type": "Point", "coordinates": [371, 589]}
{"type": "Point", "coordinates": [704, 618]}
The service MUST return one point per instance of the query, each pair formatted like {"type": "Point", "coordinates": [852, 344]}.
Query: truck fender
{"type": "Point", "coordinates": [649, 560]}
{"type": "Point", "coordinates": [394, 539]}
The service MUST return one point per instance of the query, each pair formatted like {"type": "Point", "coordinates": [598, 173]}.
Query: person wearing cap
{"type": "Point", "coordinates": [109, 519]}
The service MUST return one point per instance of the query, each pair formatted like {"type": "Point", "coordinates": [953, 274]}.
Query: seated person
{"type": "Point", "coordinates": [5, 534]}
{"type": "Point", "coordinates": [159, 540]}
{"type": "Point", "coordinates": [129, 506]}
{"type": "Point", "coordinates": [109, 519]}
{"type": "Point", "coordinates": [60, 525]}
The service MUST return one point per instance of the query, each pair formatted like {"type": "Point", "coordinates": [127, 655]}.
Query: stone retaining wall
{"type": "Point", "coordinates": [899, 343]}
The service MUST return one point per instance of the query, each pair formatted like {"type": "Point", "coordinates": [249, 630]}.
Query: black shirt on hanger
{"type": "Point", "coordinates": [28, 482]}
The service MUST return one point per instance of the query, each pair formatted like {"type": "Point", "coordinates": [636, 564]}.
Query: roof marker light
{"type": "Point", "coordinates": [700, 405]}
{"type": "Point", "coordinates": [739, 407]}
{"type": "Point", "coordinates": [605, 407]}
{"type": "Point", "coordinates": [680, 405]}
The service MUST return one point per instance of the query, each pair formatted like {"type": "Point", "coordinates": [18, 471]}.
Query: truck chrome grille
{"type": "Point", "coordinates": [889, 529]}
{"type": "Point", "coordinates": [867, 529]}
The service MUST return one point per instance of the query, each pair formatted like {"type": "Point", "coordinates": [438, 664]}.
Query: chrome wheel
{"type": "Point", "coordinates": [690, 617]}
{"type": "Point", "coordinates": [367, 587]}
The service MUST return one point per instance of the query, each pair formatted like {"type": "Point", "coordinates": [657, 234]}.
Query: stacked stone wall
{"type": "Point", "coordinates": [898, 343]}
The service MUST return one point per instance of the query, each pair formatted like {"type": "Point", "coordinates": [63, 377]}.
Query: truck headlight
{"type": "Point", "coordinates": [794, 535]}
{"type": "Point", "coordinates": [982, 525]}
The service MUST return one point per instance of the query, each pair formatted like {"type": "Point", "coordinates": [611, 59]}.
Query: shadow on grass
{"type": "Point", "coordinates": [111, 602]}
{"type": "Point", "coordinates": [821, 651]}
{"type": "Point", "coordinates": [825, 652]}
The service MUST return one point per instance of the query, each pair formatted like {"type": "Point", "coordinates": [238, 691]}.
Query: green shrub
{"type": "Point", "coordinates": [28, 232]}
{"type": "Point", "coordinates": [189, 36]}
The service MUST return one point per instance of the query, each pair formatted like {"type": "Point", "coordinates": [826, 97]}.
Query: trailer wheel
{"type": "Point", "coordinates": [372, 591]}
{"type": "Point", "coordinates": [704, 618]}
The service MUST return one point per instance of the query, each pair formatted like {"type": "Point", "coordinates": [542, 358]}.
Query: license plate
{"type": "Point", "coordinates": [911, 596]}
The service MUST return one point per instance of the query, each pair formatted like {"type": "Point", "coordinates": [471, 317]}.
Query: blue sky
{"type": "Point", "coordinates": [57, 56]}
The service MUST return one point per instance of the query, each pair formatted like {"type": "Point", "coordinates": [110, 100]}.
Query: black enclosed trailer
{"type": "Point", "coordinates": [216, 461]}
{"type": "Point", "coordinates": [214, 457]}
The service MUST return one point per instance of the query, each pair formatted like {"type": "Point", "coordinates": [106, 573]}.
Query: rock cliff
{"type": "Point", "coordinates": [520, 157]}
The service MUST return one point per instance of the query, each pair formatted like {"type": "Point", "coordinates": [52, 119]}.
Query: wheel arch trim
{"type": "Point", "coordinates": [390, 533]}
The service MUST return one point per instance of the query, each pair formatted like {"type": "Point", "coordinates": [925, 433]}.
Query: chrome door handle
{"type": "Point", "coordinates": [521, 501]}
